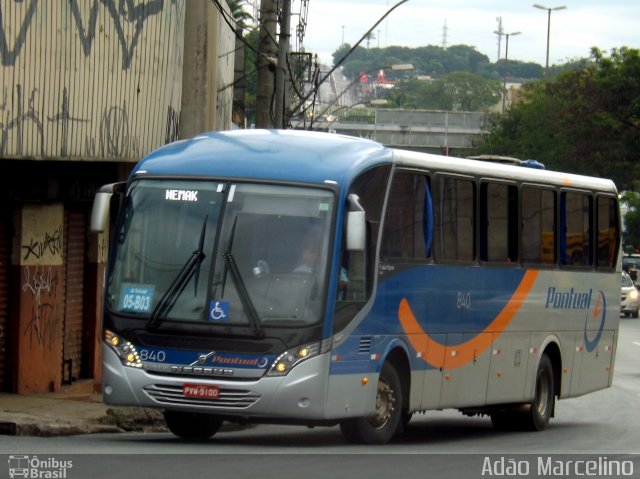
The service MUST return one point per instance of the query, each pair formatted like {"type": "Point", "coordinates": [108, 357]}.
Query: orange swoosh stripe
{"type": "Point", "coordinates": [597, 310]}
{"type": "Point", "coordinates": [449, 357]}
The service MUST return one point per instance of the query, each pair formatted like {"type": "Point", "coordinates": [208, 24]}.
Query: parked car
{"type": "Point", "coordinates": [631, 265]}
{"type": "Point", "coordinates": [629, 297]}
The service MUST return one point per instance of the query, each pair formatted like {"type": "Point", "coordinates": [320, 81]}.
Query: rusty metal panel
{"type": "Point", "coordinates": [5, 244]}
{"type": "Point", "coordinates": [75, 227]}
{"type": "Point", "coordinates": [89, 79]}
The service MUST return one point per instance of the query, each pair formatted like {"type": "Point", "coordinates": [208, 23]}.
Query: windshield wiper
{"type": "Point", "coordinates": [238, 282]}
{"type": "Point", "coordinates": [190, 269]}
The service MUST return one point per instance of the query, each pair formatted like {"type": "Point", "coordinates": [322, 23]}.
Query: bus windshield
{"type": "Point", "coordinates": [230, 255]}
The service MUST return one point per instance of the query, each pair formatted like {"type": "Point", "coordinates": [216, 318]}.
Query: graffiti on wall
{"type": "Point", "coordinates": [115, 137]}
{"type": "Point", "coordinates": [123, 14]}
{"type": "Point", "coordinates": [40, 285]}
{"type": "Point", "coordinates": [19, 119]}
{"type": "Point", "coordinates": [36, 248]}
{"type": "Point", "coordinates": [110, 100]}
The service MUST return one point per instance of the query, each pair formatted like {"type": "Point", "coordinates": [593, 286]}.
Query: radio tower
{"type": "Point", "coordinates": [445, 30]}
{"type": "Point", "coordinates": [499, 32]}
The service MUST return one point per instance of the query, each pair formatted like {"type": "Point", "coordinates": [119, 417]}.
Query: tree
{"type": "Point", "coordinates": [370, 36]}
{"type": "Point", "coordinates": [632, 219]}
{"type": "Point", "coordinates": [584, 121]}
{"type": "Point", "coordinates": [457, 91]}
{"type": "Point", "coordinates": [251, 75]}
{"type": "Point", "coordinates": [242, 17]}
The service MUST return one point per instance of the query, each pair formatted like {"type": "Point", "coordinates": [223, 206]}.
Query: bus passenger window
{"type": "Point", "coordinates": [538, 226]}
{"type": "Point", "coordinates": [454, 220]}
{"type": "Point", "coordinates": [575, 220]}
{"type": "Point", "coordinates": [607, 232]}
{"type": "Point", "coordinates": [499, 217]}
{"type": "Point", "coordinates": [407, 229]}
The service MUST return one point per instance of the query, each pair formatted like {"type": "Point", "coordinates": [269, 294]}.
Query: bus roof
{"type": "Point", "coordinates": [437, 163]}
{"type": "Point", "coordinates": [284, 155]}
{"type": "Point", "coordinates": [314, 157]}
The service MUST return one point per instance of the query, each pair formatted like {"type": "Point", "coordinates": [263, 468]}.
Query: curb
{"type": "Point", "coordinates": [114, 421]}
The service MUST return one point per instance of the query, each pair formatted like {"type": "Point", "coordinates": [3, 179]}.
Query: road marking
{"type": "Point", "coordinates": [637, 343]}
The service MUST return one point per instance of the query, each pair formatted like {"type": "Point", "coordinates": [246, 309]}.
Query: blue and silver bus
{"type": "Point", "coordinates": [316, 279]}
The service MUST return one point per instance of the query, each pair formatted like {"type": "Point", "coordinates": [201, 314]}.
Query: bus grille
{"type": "Point", "coordinates": [229, 398]}
{"type": "Point", "coordinates": [365, 345]}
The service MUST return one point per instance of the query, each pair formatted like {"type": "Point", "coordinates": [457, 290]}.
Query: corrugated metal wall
{"type": "Point", "coordinates": [89, 79]}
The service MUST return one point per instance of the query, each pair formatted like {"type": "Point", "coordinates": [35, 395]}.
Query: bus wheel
{"type": "Point", "coordinates": [385, 422]}
{"type": "Point", "coordinates": [537, 418]}
{"type": "Point", "coordinates": [192, 425]}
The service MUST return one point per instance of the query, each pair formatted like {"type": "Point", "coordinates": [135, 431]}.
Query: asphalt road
{"type": "Point", "coordinates": [603, 426]}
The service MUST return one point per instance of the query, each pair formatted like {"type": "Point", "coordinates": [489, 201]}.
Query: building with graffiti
{"type": "Point", "coordinates": [87, 87]}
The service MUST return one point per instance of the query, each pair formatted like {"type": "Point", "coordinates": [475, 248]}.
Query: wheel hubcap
{"type": "Point", "coordinates": [385, 405]}
{"type": "Point", "coordinates": [542, 400]}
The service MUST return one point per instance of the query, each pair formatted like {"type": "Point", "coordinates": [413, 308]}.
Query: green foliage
{"type": "Point", "coordinates": [632, 219]}
{"type": "Point", "coordinates": [457, 91]}
{"type": "Point", "coordinates": [240, 14]}
{"type": "Point", "coordinates": [433, 61]}
{"type": "Point", "coordinates": [585, 121]}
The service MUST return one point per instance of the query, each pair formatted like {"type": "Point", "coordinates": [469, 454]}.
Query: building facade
{"type": "Point", "coordinates": [87, 87]}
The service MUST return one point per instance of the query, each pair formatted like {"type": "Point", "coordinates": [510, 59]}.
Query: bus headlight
{"type": "Point", "coordinates": [289, 359]}
{"type": "Point", "coordinates": [123, 348]}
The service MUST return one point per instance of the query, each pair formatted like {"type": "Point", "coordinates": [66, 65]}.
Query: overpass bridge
{"type": "Point", "coordinates": [414, 129]}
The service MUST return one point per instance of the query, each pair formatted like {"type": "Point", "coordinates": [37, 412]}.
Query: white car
{"type": "Point", "coordinates": [629, 297]}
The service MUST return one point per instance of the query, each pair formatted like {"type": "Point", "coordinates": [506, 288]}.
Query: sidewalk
{"type": "Point", "coordinates": [72, 411]}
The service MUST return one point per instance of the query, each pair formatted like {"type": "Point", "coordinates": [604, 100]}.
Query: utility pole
{"type": "Point", "coordinates": [506, 60]}
{"type": "Point", "coordinates": [281, 72]}
{"type": "Point", "coordinates": [267, 59]}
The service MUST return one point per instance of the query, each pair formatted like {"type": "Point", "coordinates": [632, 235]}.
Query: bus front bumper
{"type": "Point", "coordinates": [301, 394]}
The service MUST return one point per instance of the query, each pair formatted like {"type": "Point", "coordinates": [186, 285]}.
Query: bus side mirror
{"type": "Point", "coordinates": [101, 206]}
{"type": "Point", "coordinates": [356, 225]}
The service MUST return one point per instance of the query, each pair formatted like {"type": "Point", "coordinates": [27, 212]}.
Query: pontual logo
{"type": "Point", "coordinates": [571, 299]}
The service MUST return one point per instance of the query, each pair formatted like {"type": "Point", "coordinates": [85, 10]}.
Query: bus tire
{"type": "Point", "coordinates": [383, 425]}
{"type": "Point", "coordinates": [538, 415]}
{"type": "Point", "coordinates": [192, 425]}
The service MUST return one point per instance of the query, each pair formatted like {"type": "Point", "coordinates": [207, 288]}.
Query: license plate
{"type": "Point", "coordinates": [203, 391]}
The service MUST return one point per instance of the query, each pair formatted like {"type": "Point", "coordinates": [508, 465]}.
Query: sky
{"type": "Point", "coordinates": [605, 24]}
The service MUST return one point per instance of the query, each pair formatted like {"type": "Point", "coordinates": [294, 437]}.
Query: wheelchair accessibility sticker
{"type": "Point", "coordinates": [218, 310]}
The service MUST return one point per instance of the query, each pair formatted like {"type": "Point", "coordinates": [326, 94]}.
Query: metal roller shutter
{"type": "Point", "coordinates": [5, 242]}
{"type": "Point", "coordinates": [75, 253]}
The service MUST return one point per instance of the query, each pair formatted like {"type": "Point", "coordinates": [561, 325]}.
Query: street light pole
{"type": "Point", "coordinates": [506, 59]}
{"type": "Point", "coordinates": [549, 10]}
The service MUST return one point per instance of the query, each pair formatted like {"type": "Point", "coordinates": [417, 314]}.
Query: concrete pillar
{"type": "Point", "coordinates": [199, 95]}
{"type": "Point", "coordinates": [38, 307]}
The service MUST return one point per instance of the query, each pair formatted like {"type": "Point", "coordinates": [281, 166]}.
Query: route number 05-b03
{"type": "Point", "coordinates": [463, 300]}
{"type": "Point", "coordinates": [136, 302]}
